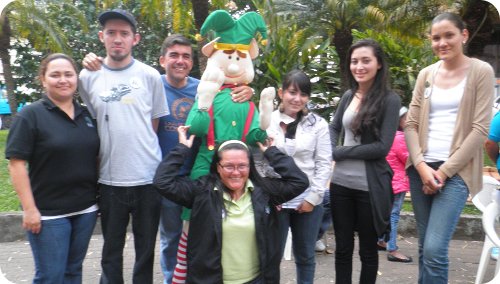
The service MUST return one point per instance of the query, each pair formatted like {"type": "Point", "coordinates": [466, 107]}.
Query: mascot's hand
{"type": "Point", "coordinates": [266, 107]}
{"type": "Point", "coordinates": [210, 83]}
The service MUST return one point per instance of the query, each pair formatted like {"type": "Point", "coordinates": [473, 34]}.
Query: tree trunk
{"type": "Point", "coordinates": [200, 12]}
{"type": "Point", "coordinates": [479, 26]}
{"type": "Point", "coordinates": [5, 57]}
{"type": "Point", "coordinates": [342, 40]}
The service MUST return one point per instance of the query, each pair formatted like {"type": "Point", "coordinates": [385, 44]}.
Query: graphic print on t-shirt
{"type": "Point", "coordinates": [116, 93]}
{"type": "Point", "coordinates": [181, 107]}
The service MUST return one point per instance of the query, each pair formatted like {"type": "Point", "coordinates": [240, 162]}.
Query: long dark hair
{"type": "Point", "coordinates": [369, 112]}
{"type": "Point", "coordinates": [300, 81]}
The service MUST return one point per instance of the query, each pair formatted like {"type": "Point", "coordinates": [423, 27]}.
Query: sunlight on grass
{"type": "Point", "coordinates": [8, 197]}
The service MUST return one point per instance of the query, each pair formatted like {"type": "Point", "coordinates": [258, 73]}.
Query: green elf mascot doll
{"type": "Point", "coordinates": [214, 116]}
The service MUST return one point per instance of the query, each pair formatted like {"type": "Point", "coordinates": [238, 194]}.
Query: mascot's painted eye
{"type": "Point", "coordinates": [237, 58]}
{"type": "Point", "coordinates": [229, 57]}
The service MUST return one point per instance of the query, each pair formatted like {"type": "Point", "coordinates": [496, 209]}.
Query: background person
{"type": "Point", "coordinates": [397, 157]}
{"type": "Point", "coordinates": [491, 144]}
{"type": "Point", "coordinates": [242, 246]}
{"type": "Point", "coordinates": [447, 124]}
{"type": "Point", "coordinates": [57, 138]}
{"type": "Point", "coordinates": [491, 147]}
{"type": "Point", "coordinates": [361, 192]}
{"type": "Point", "coordinates": [126, 97]}
{"type": "Point", "coordinates": [304, 136]}
{"type": "Point", "coordinates": [326, 223]}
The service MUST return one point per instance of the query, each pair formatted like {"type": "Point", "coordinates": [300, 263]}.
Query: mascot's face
{"type": "Point", "coordinates": [236, 65]}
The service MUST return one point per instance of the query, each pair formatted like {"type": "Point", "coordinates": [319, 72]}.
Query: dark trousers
{"type": "Point", "coordinates": [117, 204]}
{"type": "Point", "coordinates": [351, 211]}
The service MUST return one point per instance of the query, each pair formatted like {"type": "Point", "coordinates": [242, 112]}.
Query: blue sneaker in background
{"type": "Point", "coordinates": [494, 253]}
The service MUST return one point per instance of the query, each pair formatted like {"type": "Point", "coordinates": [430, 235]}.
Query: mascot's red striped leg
{"type": "Point", "coordinates": [180, 271]}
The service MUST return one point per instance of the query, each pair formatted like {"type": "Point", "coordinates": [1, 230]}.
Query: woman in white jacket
{"type": "Point", "coordinates": [305, 137]}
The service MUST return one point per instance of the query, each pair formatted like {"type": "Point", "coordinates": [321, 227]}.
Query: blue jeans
{"type": "Point", "coordinates": [116, 205]}
{"type": "Point", "coordinates": [437, 216]}
{"type": "Point", "coordinates": [60, 247]}
{"type": "Point", "coordinates": [352, 211]}
{"type": "Point", "coordinates": [170, 233]}
{"type": "Point", "coordinates": [396, 210]}
{"type": "Point", "coordinates": [304, 227]}
{"type": "Point", "coordinates": [326, 221]}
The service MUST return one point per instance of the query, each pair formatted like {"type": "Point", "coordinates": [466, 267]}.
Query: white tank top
{"type": "Point", "coordinates": [442, 117]}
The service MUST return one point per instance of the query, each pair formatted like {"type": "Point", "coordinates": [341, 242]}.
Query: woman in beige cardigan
{"type": "Point", "coordinates": [447, 125]}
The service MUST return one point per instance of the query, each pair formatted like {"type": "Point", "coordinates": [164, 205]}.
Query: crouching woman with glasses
{"type": "Point", "coordinates": [234, 235]}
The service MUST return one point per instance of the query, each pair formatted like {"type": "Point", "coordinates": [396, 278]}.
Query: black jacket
{"type": "Point", "coordinates": [205, 230]}
{"type": "Point", "coordinates": [373, 151]}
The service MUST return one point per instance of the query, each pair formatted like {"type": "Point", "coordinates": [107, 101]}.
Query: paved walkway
{"type": "Point", "coordinates": [16, 263]}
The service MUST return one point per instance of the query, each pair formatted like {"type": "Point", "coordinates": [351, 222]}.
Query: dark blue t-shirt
{"type": "Point", "coordinates": [180, 102]}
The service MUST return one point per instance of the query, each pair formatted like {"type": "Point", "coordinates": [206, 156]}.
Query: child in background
{"type": "Point", "coordinates": [400, 185]}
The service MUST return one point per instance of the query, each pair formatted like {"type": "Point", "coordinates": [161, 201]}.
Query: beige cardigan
{"type": "Point", "coordinates": [471, 127]}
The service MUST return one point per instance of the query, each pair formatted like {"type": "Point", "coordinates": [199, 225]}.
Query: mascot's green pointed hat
{"type": "Point", "coordinates": [234, 34]}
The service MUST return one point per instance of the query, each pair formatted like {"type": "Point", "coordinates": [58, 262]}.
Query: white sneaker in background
{"type": "Point", "coordinates": [320, 246]}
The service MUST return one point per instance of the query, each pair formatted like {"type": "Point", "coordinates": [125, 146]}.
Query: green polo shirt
{"type": "Point", "coordinates": [240, 255]}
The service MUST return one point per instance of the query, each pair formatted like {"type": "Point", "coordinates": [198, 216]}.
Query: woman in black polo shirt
{"type": "Point", "coordinates": [57, 139]}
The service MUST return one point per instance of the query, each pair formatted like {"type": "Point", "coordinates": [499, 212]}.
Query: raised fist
{"type": "Point", "coordinates": [266, 107]}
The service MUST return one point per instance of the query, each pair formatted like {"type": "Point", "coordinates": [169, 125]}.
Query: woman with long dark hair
{"type": "Point", "coordinates": [362, 133]}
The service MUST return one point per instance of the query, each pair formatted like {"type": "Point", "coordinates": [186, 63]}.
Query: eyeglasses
{"type": "Point", "coordinates": [231, 168]}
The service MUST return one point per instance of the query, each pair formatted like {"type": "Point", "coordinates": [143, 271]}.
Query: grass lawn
{"type": "Point", "coordinates": [8, 197]}
{"type": "Point", "coordinates": [9, 201]}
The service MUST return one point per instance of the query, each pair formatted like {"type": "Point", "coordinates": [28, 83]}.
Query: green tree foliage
{"type": "Point", "coordinates": [407, 19]}
{"type": "Point", "coordinates": [293, 47]}
{"type": "Point", "coordinates": [311, 35]}
{"type": "Point", "coordinates": [334, 19]}
{"type": "Point", "coordinates": [25, 20]}
{"type": "Point", "coordinates": [80, 30]}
